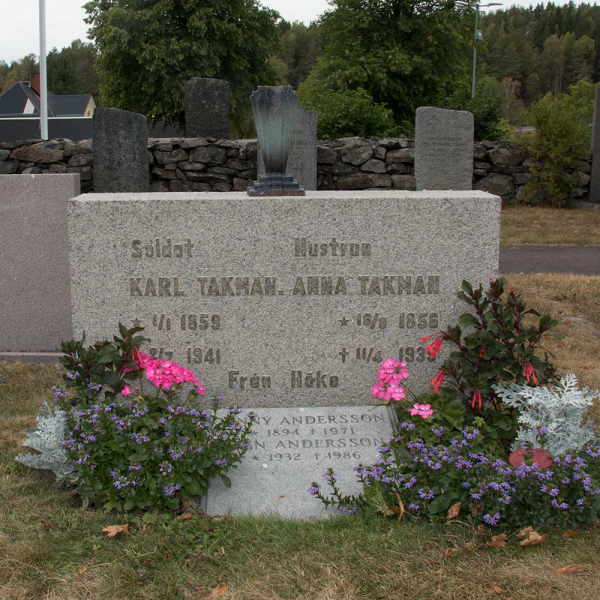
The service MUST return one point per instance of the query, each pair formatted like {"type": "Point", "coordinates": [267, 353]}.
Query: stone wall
{"type": "Point", "coordinates": [208, 164]}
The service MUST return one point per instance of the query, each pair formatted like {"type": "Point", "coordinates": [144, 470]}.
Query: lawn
{"type": "Point", "coordinates": [52, 549]}
{"type": "Point", "coordinates": [529, 226]}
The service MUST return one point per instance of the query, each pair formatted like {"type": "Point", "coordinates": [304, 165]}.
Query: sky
{"type": "Point", "coordinates": [19, 31]}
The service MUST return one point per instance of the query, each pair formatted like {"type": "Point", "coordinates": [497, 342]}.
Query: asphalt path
{"type": "Point", "coordinates": [577, 260]}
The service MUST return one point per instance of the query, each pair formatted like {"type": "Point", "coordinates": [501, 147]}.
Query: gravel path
{"type": "Point", "coordinates": [577, 260]}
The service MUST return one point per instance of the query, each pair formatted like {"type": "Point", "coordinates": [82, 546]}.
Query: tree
{"type": "Point", "coordinates": [403, 53]}
{"type": "Point", "coordinates": [19, 70]}
{"type": "Point", "coordinates": [148, 49]}
{"type": "Point", "coordinates": [71, 71]}
{"type": "Point", "coordinates": [300, 49]}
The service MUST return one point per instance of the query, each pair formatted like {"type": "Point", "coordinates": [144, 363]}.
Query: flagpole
{"type": "Point", "coordinates": [43, 77]}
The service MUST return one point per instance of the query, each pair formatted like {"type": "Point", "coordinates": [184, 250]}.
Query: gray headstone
{"type": "Point", "coordinates": [34, 271]}
{"type": "Point", "coordinates": [294, 447]}
{"type": "Point", "coordinates": [285, 306]}
{"type": "Point", "coordinates": [308, 296]}
{"type": "Point", "coordinates": [444, 149]}
{"type": "Point", "coordinates": [595, 181]}
{"type": "Point", "coordinates": [207, 108]}
{"type": "Point", "coordinates": [120, 151]}
{"type": "Point", "coordinates": [302, 160]}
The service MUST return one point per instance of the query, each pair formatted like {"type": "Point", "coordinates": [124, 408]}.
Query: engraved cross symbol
{"type": "Point", "coordinates": [343, 354]}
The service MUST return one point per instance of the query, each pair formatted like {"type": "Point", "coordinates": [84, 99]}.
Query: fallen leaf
{"type": "Point", "coordinates": [571, 533]}
{"type": "Point", "coordinates": [534, 539]}
{"type": "Point", "coordinates": [524, 532]}
{"type": "Point", "coordinates": [497, 541]}
{"type": "Point", "coordinates": [221, 551]}
{"type": "Point", "coordinates": [219, 519]}
{"type": "Point", "coordinates": [183, 517]}
{"type": "Point", "coordinates": [81, 573]}
{"type": "Point", "coordinates": [454, 511]}
{"type": "Point", "coordinates": [470, 546]}
{"type": "Point", "coordinates": [220, 591]}
{"type": "Point", "coordinates": [399, 510]}
{"type": "Point", "coordinates": [481, 531]}
{"type": "Point", "coordinates": [113, 530]}
{"type": "Point", "coordinates": [451, 551]}
{"type": "Point", "coordinates": [571, 569]}
{"type": "Point", "coordinates": [280, 497]}
{"type": "Point", "coordinates": [497, 589]}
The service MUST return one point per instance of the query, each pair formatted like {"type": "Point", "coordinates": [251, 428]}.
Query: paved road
{"type": "Point", "coordinates": [578, 260]}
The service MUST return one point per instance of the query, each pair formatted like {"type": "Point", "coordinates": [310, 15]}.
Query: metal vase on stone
{"type": "Point", "coordinates": [274, 110]}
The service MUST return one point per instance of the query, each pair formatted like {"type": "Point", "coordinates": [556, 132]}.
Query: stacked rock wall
{"type": "Point", "coordinates": [208, 164]}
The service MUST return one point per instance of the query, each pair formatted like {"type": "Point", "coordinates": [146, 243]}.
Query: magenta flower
{"type": "Point", "coordinates": [421, 410]}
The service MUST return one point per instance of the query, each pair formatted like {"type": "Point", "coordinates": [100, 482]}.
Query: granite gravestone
{"type": "Point", "coordinates": [120, 151]}
{"type": "Point", "coordinates": [207, 108]}
{"type": "Point", "coordinates": [443, 149]}
{"type": "Point", "coordinates": [302, 161]}
{"type": "Point", "coordinates": [284, 305]}
{"type": "Point", "coordinates": [35, 298]}
{"type": "Point", "coordinates": [595, 181]}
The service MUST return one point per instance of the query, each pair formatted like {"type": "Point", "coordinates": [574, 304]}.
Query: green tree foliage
{"type": "Point", "coordinates": [148, 49]}
{"type": "Point", "coordinates": [403, 53]}
{"type": "Point", "coordinates": [562, 137]}
{"type": "Point", "coordinates": [18, 70]}
{"type": "Point", "coordinates": [545, 48]}
{"type": "Point", "coordinates": [486, 107]}
{"type": "Point", "coordinates": [71, 70]}
{"type": "Point", "coordinates": [301, 46]}
{"type": "Point", "coordinates": [353, 112]}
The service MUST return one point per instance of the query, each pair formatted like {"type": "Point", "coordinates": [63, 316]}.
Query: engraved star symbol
{"type": "Point", "coordinates": [344, 321]}
{"type": "Point", "coordinates": [137, 323]}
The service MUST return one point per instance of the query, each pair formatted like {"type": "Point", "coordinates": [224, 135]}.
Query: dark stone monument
{"type": "Point", "coordinates": [274, 110]}
{"type": "Point", "coordinates": [595, 181]}
{"type": "Point", "coordinates": [120, 151]}
{"type": "Point", "coordinates": [207, 108]}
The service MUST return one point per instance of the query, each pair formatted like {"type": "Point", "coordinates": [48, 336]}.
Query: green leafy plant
{"type": "Point", "coordinates": [138, 434]}
{"type": "Point", "coordinates": [344, 114]}
{"type": "Point", "coordinates": [109, 364]}
{"type": "Point", "coordinates": [497, 347]}
{"type": "Point", "coordinates": [47, 441]}
{"type": "Point", "coordinates": [455, 476]}
{"type": "Point", "coordinates": [561, 139]}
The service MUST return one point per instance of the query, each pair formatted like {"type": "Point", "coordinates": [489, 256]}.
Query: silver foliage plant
{"type": "Point", "coordinates": [47, 440]}
{"type": "Point", "coordinates": [554, 414]}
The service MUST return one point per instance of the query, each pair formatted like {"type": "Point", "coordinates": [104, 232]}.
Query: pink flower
{"type": "Point", "coordinates": [421, 410]}
{"type": "Point", "coordinates": [126, 391]}
{"type": "Point", "coordinates": [391, 372]}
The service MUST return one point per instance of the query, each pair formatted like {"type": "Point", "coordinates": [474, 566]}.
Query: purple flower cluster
{"type": "Point", "coordinates": [140, 454]}
{"type": "Point", "coordinates": [496, 493]}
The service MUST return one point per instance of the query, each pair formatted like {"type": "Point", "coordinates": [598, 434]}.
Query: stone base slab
{"type": "Point", "coordinates": [293, 447]}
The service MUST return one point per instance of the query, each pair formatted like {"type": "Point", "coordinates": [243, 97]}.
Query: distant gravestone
{"type": "Point", "coordinates": [120, 151]}
{"type": "Point", "coordinates": [302, 161]}
{"type": "Point", "coordinates": [207, 108]}
{"type": "Point", "coordinates": [34, 267]}
{"type": "Point", "coordinates": [595, 181]}
{"type": "Point", "coordinates": [285, 306]}
{"type": "Point", "coordinates": [444, 149]}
